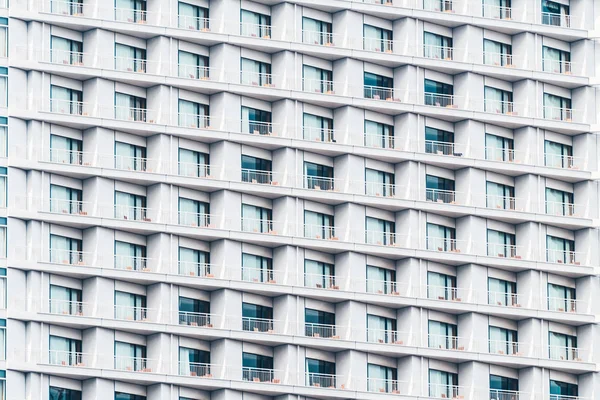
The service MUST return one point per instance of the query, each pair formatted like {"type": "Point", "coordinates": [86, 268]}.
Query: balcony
{"type": "Point", "coordinates": [500, 107]}
{"type": "Point", "coordinates": [132, 313]}
{"type": "Point", "coordinates": [256, 79]}
{"type": "Point", "coordinates": [565, 353]}
{"type": "Point", "coordinates": [438, 52]}
{"type": "Point", "coordinates": [438, 5]}
{"type": "Point", "coordinates": [445, 244]}
{"type": "Point", "coordinates": [318, 134]}
{"type": "Point", "coordinates": [134, 114]}
{"type": "Point", "coordinates": [560, 209]}
{"type": "Point", "coordinates": [557, 66]}
{"type": "Point", "coordinates": [201, 370]}
{"type": "Point", "coordinates": [72, 207]}
{"type": "Point", "coordinates": [505, 299]}
{"type": "Point", "coordinates": [380, 93]}
{"type": "Point", "coordinates": [67, 358]}
{"type": "Point", "coordinates": [440, 196]}
{"type": "Point", "coordinates": [441, 391]}
{"type": "Point", "coordinates": [498, 59]}
{"type": "Point", "coordinates": [132, 213]}
{"type": "Point", "coordinates": [558, 113]}
{"type": "Point", "coordinates": [320, 281]}
{"type": "Point", "coordinates": [193, 219]}
{"type": "Point", "coordinates": [498, 394]}
{"type": "Point", "coordinates": [561, 161]}
{"type": "Point", "coordinates": [563, 304]}
{"type": "Point", "coordinates": [193, 23]}
{"type": "Point", "coordinates": [194, 121]}
{"type": "Point", "coordinates": [193, 170]}
{"type": "Point", "coordinates": [255, 30]}
{"type": "Point", "coordinates": [563, 257]}
{"type": "Point", "coordinates": [380, 189]}
{"type": "Point", "coordinates": [384, 336]}
{"type": "Point", "coordinates": [258, 275]}
{"type": "Point", "coordinates": [66, 57]}
{"type": "Point", "coordinates": [383, 385]}
{"type": "Point", "coordinates": [128, 64]}
{"type": "Point", "coordinates": [318, 86]}
{"type": "Point", "coordinates": [383, 287]}
{"type": "Point", "coordinates": [68, 307]}
{"type": "Point", "coordinates": [132, 263]}
{"type": "Point", "coordinates": [71, 257]}
{"type": "Point", "coordinates": [504, 250]}
{"type": "Point", "coordinates": [440, 100]}
{"type": "Point", "coordinates": [320, 331]}
{"type": "Point", "coordinates": [258, 225]}
{"type": "Point", "coordinates": [447, 293]}
{"type": "Point", "coordinates": [134, 16]}
{"type": "Point", "coordinates": [261, 375]}
{"type": "Point", "coordinates": [378, 45]}
{"type": "Point", "coordinates": [322, 380]}
{"type": "Point", "coordinates": [258, 128]}
{"type": "Point", "coordinates": [505, 347]}
{"type": "Point", "coordinates": [445, 342]}
{"type": "Point", "coordinates": [202, 320]}
{"type": "Point", "coordinates": [69, 107]}
{"type": "Point", "coordinates": [318, 182]}
{"type": "Point", "coordinates": [441, 148]}
{"type": "Point", "coordinates": [503, 202]}
{"type": "Point", "coordinates": [380, 238]}
{"type": "Point", "coordinates": [553, 19]}
{"type": "Point", "coordinates": [319, 38]}
{"type": "Point", "coordinates": [504, 155]}
{"type": "Point", "coordinates": [376, 141]}
{"type": "Point", "coordinates": [496, 12]}
{"type": "Point", "coordinates": [135, 364]}
{"type": "Point", "coordinates": [258, 176]}
{"type": "Point", "coordinates": [202, 270]}
{"type": "Point", "coordinates": [258, 324]}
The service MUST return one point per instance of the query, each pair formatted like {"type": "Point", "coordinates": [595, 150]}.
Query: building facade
{"type": "Point", "coordinates": [233, 199]}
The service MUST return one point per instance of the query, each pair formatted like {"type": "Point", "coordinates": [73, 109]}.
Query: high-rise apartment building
{"type": "Point", "coordinates": [299, 199]}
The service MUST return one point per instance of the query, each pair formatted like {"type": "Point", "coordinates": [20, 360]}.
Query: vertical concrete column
{"type": "Point", "coordinates": [286, 122]}
{"type": "Point", "coordinates": [285, 310]}
{"type": "Point", "coordinates": [347, 25]}
{"type": "Point", "coordinates": [162, 302]}
{"type": "Point", "coordinates": [227, 354]}
{"type": "Point", "coordinates": [412, 371]}
{"type": "Point", "coordinates": [226, 256]}
{"type": "Point", "coordinates": [349, 222]}
{"type": "Point", "coordinates": [99, 343]}
{"type": "Point", "coordinates": [349, 125]}
{"type": "Point", "coordinates": [348, 76]}
{"type": "Point", "coordinates": [285, 360]}
{"type": "Point", "coordinates": [351, 271]}
{"type": "Point", "coordinates": [351, 368]}
{"type": "Point", "coordinates": [409, 228]}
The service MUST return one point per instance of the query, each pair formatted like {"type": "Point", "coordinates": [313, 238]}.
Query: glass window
{"type": "Point", "coordinates": [65, 351]}
{"type": "Point", "coordinates": [130, 256]}
{"type": "Point", "coordinates": [130, 206]}
{"type": "Point", "coordinates": [318, 225]}
{"type": "Point", "coordinates": [496, 53]}
{"type": "Point", "coordinates": [380, 232]}
{"type": "Point", "coordinates": [379, 183]}
{"type": "Point", "coordinates": [255, 24]}
{"type": "Point", "coordinates": [257, 122]}
{"type": "Point", "coordinates": [499, 385]}
{"type": "Point", "coordinates": [560, 250]}
{"type": "Point", "coordinates": [319, 177]}
{"type": "Point", "coordinates": [256, 268]}
{"type": "Point", "coordinates": [62, 100]}
{"type": "Point", "coordinates": [256, 219]}
{"type": "Point", "coordinates": [562, 347]}
{"type": "Point", "coordinates": [501, 292]}
{"type": "Point", "coordinates": [129, 58]}
{"type": "Point", "coordinates": [503, 341]}
{"type": "Point", "coordinates": [256, 170]}
{"type": "Point", "coordinates": [57, 393]}
{"type": "Point", "coordinates": [382, 379]}
{"type": "Point", "coordinates": [319, 274]}
{"type": "Point", "coordinates": [500, 9]}
{"type": "Point", "coordinates": [65, 150]}
{"type": "Point", "coordinates": [439, 189]}
{"type": "Point", "coordinates": [130, 357]}
{"type": "Point", "coordinates": [378, 87]}
{"type": "Point", "coordinates": [498, 148]}
{"type": "Point", "coordinates": [317, 80]}
{"type": "Point", "coordinates": [193, 115]}
{"type": "Point", "coordinates": [437, 46]}
{"type": "Point", "coordinates": [318, 317]}
{"type": "Point", "coordinates": [193, 66]}
{"type": "Point", "coordinates": [316, 32]}
{"type": "Point", "coordinates": [501, 244]}
{"type": "Point", "coordinates": [65, 250]}
{"type": "Point", "coordinates": [320, 373]}
{"type": "Point", "coordinates": [64, 51]}
{"type": "Point", "coordinates": [193, 17]}
{"type": "Point", "coordinates": [128, 396]}
{"type": "Point", "coordinates": [257, 318]}
{"type": "Point", "coordinates": [193, 362]}
{"type": "Point", "coordinates": [443, 384]}
{"type": "Point", "coordinates": [194, 262]}
{"type": "Point", "coordinates": [3, 137]}
{"type": "Point", "coordinates": [255, 361]}
{"type": "Point", "coordinates": [381, 280]}
{"type": "Point", "coordinates": [561, 298]}
{"type": "Point", "coordinates": [130, 306]}
{"type": "Point", "coordinates": [560, 389]}
{"type": "Point", "coordinates": [130, 157]}
{"type": "Point", "coordinates": [193, 212]}
{"type": "Point", "coordinates": [558, 155]}
{"type": "Point", "coordinates": [554, 13]}
{"type": "Point", "coordinates": [438, 141]}
{"type": "Point", "coordinates": [193, 312]}
{"type": "Point", "coordinates": [559, 202]}
{"type": "Point", "coordinates": [193, 163]}
{"type": "Point", "coordinates": [4, 88]}
{"type": "Point", "coordinates": [379, 135]}
{"type": "Point", "coordinates": [317, 128]}
{"type": "Point", "coordinates": [498, 101]}
{"type": "Point", "coordinates": [500, 196]}
{"type": "Point", "coordinates": [442, 335]}
{"type": "Point", "coordinates": [130, 108]}
{"type": "Point", "coordinates": [3, 187]}
{"type": "Point", "coordinates": [441, 286]}
{"type": "Point", "coordinates": [556, 107]}
{"type": "Point", "coordinates": [555, 60]}
{"type": "Point", "coordinates": [438, 94]}
{"type": "Point", "coordinates": [377, 39]}
{"type": "Point", "coordinates": [381, 329]}
{"type": "Point", "coordinates": [441, 238]}
{"type": "Point", "coordinates": [255, 73]}
{"type": "Point", "coordinates": [65, 300]}
{"type": "Point", "coordinates": [65, 200]}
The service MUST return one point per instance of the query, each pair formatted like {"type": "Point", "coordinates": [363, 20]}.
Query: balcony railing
{"type": "Point", "coordinates": [256, 79]}
{"type": "Point", "coordinates": [71, 157]}
{"type": "Point", "coordinates": [318, 86]}
{"type": "Point", "coordinates": [320, 281]}
{"type": "Point", "coordinates": [503, 250]}
{"type": "Point", "coordinates": [72, 207]}
{"type": "Point", "coordinates": [318, 134]}
{"type": "Point", "coordinates": [322, 380]}
{"type": "Point", "coordinates": [383, 336]}
{"type": "Point", "coordinates": [202, 370]}
{"type": "Point", "coordinates": [440, 391]}
{"type": "Point", "coordinates": [556, 19]}
{"type": "Point", "coordinates": [257, 127]}
{"type": "Point", "coordinates": [67, 307]}
{"type": "Point", "coordinates": [498, 394]}
{"type": "Point", "coordinates": [320, 330]}
{"type": "Point", "coordinates": [134, 114]}
{"type": "Point", "coordinates": [258, 324]}
{"type": "Point", "coordinates": [63, 7]}
{"type": "Point", "coordinates": [505, 347]}
{"type": "Point", "coordinates": [498, 59]}
{"type": "Point", "coordinates": [193, 72]}
{"type": "Point", "coordinates": [128, 64]}
{"type": "Point", "coordinates": [140, 164]}
{"type": "Point", "coordinates": [495, 11]}
{"type": "Point", "coordinates": [193, 23]}
{"type": "Point", "coordinates": [130, 15]}
{"type": "Point", "coordinates": [70, 257]}
{"type": "Point", "coordinates": [193, 170]}
{"type": "Point", "coordinates": [318, 37]}
{"type": "Point", "coordinates": [440, 196]}
{"type": "Point", "coordinates": [445, 342]}
{"type": "Point", "coordinates": [557, 66]}
{"type": "Point", "coordinates": [558, 113]}
{"type": "Point", "coordinates": [189, 268]}
{"type": "Point", "coordinates": [438, 5]}
{"type": "Point", "coordinates": [318, 182]}
{"type": "Point", "coordinates": [441, 148]}
{"type": "Point", "coordinates": [379, 141]}
{"type": "Point", "coordinates": [257, 176]}
{"type": "Point", "coordinates": [378, 45]}
{"type": "Point", "coordinates": [380, 238]}
{"type": "Point", "coordinates": [380, 189]}
{"type": "Point", "coordinates": [66, 57]}
{"type": "Point", "coordinates": [194, 219]}
{"type": "Point", "coordinates": [131, 313]}
{"type": "Point", "coordinates": [380, 93]}
{"type": "Point", "coordinates": [505, 299]}
{"type": "Point", "coordinates": [382, 287]}
{"type": "Point", "coordinates": [444, 293]}
{"type": "Point", "coordinates": [562, 305]}
{"type": "Point", "coordinates": [132, 263]}
{"type": "Point", "coordinates": [134, 364]}
{"type": "Point", "coordinates": [202, 320]}
{"type": "Point", "coordinates": [255, 30]}
{"type": "Point", "coordinates": [558, 208]}
{"type": "Point", "coordinates": [564, 353]}
{"type": "Point", "coordinates": [257, 225]}
{"type": "Point", "coordinates": [132, 213]}
{"type": "Point", "coordinates": [440, 100]}
{"type": "Point", "coordinates": [383, 385]}
{"type": "Point", "coordinates": [438, 52]}
{"type": "Point", "coordinates": [69, 107]}
{"type": "Point", "coordinates": [262, 375]}
{"type": "Point", "coordinates": [559, 161]}
{"type": "Point", "coordinates": [499, 107]}
{"type": "Point", "coordinates": [444, 244]}
{"type": "Point", "coordinates": [563, 257]}
{"type": "Point", "coordinates": [67, 358]}
{"type": "Point", "coordinates": [193, 121]}
{"type": "Point", "coordinates": [501, 202]}
{"type": "Point", "coordinates": [258, 275]}
{"type": "Point", "coordinates": [320, 232]}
